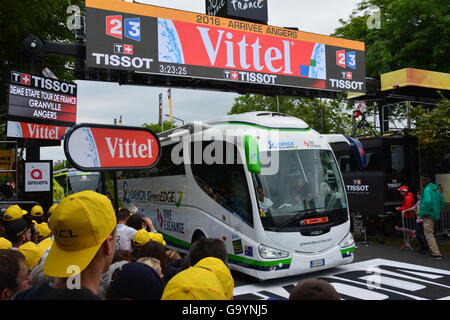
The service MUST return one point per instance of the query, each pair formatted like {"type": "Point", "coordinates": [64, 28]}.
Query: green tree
{"type": "Point", "coordinates": [432, 128]}
{"type": "Point", "coordinates": [45, 19]}
{"type": "Point", "coordinates": [323, 115]}
{"type": "Point", "coordinates": [156, 127]}
{"type": "Point", "coordinates": [413, 34]}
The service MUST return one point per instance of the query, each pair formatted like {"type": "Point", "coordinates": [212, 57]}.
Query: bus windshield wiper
{"type": "Point", "coordinates": [299, 215]}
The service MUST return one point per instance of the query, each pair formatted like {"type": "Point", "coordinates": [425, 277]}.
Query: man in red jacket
{"type": "Point", "coordinates": [408, 201]}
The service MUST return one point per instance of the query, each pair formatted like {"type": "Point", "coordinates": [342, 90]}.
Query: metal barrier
{"type": "Point", "coordinates": [443, 225]}
{"type": "Point", "coordinates": [409, 230]}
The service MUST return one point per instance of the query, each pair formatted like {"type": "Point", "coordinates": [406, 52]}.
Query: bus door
{"type": "Point", "coordinates": [223, 179]}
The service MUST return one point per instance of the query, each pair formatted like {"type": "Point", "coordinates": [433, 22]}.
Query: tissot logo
{"type": "Point", "coordinates": [43, 83]}
{"type": "Point", "coordinates": [124, 48]}
{"type": "Point", "coordinates": [357, 188]}
{"type": "Point", "coordinates": [25, 79]}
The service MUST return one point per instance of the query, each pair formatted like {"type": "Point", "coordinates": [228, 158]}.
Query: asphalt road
{"type": "Point", "coordinates": [363, 252]}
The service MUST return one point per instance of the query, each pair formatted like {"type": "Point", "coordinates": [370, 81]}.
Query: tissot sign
{"type": "Point", "coordinates": [143, 38]}
{"type": "Point", "coordinates": [40, 107]}
{"type": "Point", "coordinates": [92, 147]}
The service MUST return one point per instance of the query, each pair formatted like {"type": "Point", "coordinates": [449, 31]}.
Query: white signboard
{"type": "Point", "coordinates": [37, 176]}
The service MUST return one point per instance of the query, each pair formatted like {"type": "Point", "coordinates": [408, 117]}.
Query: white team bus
{"type": "Point", "coordinates": [264, 182]}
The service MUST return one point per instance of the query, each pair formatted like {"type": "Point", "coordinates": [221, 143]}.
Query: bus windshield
{"type": "Point", "coordinates": [307, 185]}
{"type": "Point", "coordinates": [80, 182]}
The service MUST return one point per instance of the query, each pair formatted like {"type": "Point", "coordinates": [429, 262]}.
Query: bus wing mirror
{"type": "Point", "coordinates": [251, 149]}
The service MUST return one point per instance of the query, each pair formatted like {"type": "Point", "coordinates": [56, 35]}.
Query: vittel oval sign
{"type": "Point", "coordinates": [92, 147]}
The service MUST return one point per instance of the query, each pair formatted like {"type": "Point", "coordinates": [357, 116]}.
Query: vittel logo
{"type": "Point", "coordinates": [263, 58]}
{"type": "Point", "coordinates": [128, 149]}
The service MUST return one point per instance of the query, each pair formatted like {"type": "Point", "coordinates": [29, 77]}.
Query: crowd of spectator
{"type": "Point", "coordinates": [81, 249]}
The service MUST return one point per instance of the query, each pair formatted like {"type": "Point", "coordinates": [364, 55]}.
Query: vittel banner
{"type": "Point", "coordinates": [26, 130]}
{"type": "Point", "coordinates": [91, 147]}
{"type": "Point", "coordinates": [39, 107]}
{"type": "Point", "coordinates": [155, 40]}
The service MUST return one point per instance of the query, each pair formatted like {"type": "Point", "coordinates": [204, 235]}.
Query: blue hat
{"type": "Point", "coordinates": [138, 281]}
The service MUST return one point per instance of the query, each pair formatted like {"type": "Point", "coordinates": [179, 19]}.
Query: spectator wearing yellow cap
{"type": "Point", "coordinates": [18, 232]}
{"type": "Point", "coordinates": [32, 253]}
{"type": "Point", "coordinates": [43, 231]}
{"type": "Point", "coordinates": [13, 212]}
{"type": "Point", "coordinates": [83, 226]}
{"type": "Point", "coordinates": [209, 279]}
{"type": "Point", "coordinates": [51, 209]}
{"type": "Point", "coordinates": [5, 244]}
{"type": "Point", "coordinates": [37, 214]}
{"type": "Point", "coordinates": [141, 238]}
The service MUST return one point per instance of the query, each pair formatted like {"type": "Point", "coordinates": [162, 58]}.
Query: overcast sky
{"type": "Point", "coordinates": [101, 102]}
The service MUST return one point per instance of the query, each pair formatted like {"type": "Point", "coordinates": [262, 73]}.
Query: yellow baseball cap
{"type": "Point", "coordinates": [32, 252]}
{"type": "Point", "coordinates": [44, 244]}
{"type": "Point", "coordinates": [209, 279]}
{"type": "Point", "coordinates": [80, 224]}
{"type": "Point", "coordinates": [52, 208]}
{"type": "Point", "coordinates": [37, 211]}
{"type": "Point", "coordinates": [43, 230]}
{"type": "Point", "coordinates": [5, 243]}
{"type": "Point", "coordinates": [14, 212]}
{"type": "Point", "coordinates": [142, 237]}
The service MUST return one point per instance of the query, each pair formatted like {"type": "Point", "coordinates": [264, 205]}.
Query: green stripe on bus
{"type": "Point", "coordinates": [260, 127]}
{"type": "Point", "coordinates": [175, 240]}
{"type": "Point", "coordinates": [259, 263]}
{"type": "Point", "coordinates": [347, 250]}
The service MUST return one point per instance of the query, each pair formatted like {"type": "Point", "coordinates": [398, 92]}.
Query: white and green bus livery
{"type": "Point", "coordinates": [265, 183]}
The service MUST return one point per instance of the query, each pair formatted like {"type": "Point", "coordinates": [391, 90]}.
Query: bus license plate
{"type": "Point", "coordinates": [317, 263]}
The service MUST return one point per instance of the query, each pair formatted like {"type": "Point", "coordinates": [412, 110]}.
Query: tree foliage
{"type": "Point", "coordinates": [432, 127]}
{"type": "Point", "coordinates": [413, 34]}
{"type": "Point", "coordinates": [156, 127]}
{"type": "Point", "coordinates": [323, 115]}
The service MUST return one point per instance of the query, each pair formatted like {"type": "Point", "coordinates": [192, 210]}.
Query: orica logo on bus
{"type": "Point", "coordinates": [108, 147]}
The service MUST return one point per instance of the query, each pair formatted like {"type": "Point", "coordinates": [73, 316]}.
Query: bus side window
{"type": "Point", "coordinates": [223, 181]}
{"type": "Point", "coordinates": [165, 166]}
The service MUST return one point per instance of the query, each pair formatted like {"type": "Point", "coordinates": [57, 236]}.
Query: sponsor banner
{"type": "Point", "coordinates": [22, 96]}
{"type": "Point", "coordinates": [39, 82]}
{"type": "Point", "coordinates": [91, 147]}
{"type": "Point", "coordinates": [37, 176]}
{"type": "Point", "coordinates": [365, 188]}
{"type": "Point", "coordinates": [26, 130]}
{"type": "Point", "coordinates": [41, 100]}
{"type": "Point", "coordinates": [40, 115]}
{"type": "Point", "coordinates": [169, 42]}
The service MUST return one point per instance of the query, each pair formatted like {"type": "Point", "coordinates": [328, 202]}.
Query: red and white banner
{"type": "Point", "coordinates": [92, 147]}
{"type": "Point", "coordinates": [35, 131]}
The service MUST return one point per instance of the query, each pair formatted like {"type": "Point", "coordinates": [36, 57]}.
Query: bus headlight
{"type": "Point", "coordinates": [271, 253]}
{"type": "Point", "coordinates": [348, 241]}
